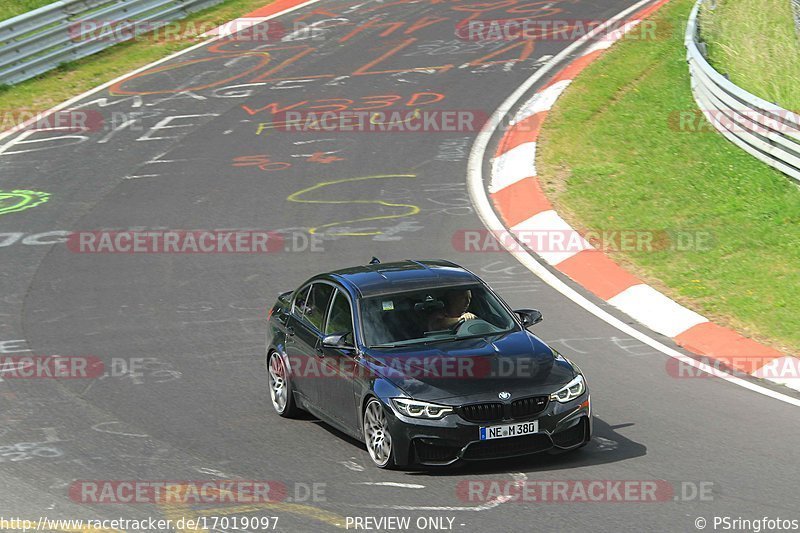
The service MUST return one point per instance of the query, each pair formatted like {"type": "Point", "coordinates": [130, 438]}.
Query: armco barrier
{"type": "Point", "coordinates": [796, 11]}
{"type": "Point", "coordinates": [765, 130]}
{"type": "Point", "coordinates": [44, 38]}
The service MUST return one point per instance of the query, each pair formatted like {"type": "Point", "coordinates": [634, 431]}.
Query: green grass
{"type": "Point", "coordinates": [51, 88]}
{"type": "Point", "coordinates": [12, 8]}
{"type": "Point", "coordinates": [755, 43]}
{"type": "Point", "coordinates": [611, 157]}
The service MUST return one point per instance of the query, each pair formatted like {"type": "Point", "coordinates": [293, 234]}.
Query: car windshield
{"type": "Point", "coordinates": [433, 315]}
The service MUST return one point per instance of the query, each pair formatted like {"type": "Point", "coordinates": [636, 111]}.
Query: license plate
{"type": "Point", "coordinates": [509, 430]}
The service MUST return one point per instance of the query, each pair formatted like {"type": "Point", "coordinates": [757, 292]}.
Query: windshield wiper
{"type": "Point", "coordinates": [422, 341]}
{"type": "Point", "coordinates": [441, 339]}
{"type": "Point", "coordinates": [473, 336]}
{"type": "Point", "coordinates": [411, 343]}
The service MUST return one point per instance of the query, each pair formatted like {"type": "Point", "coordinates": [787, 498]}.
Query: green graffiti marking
{"type": "Point", "coordinates": [15, 201]}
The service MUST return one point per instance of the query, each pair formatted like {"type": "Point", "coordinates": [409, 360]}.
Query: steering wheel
{"type": "Point", "coordinates": [454, 327]}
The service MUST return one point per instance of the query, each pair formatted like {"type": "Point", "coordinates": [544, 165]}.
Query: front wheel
{"type": "Point", "coordinates": [280, 388]}
{"type": "Point", "coordinates": [377, 436]}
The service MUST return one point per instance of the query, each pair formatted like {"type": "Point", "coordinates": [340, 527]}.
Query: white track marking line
{"type": "Point", "coordinates": [519, 480]}
{"type": "Point", "coordinates": [212, 472]}
{"type": "Point", "coordinates": [784, 370]}
{"type": "Point", "coordinates": [100, 428]}
{"type": "Point", "coordinates": [140, 176]}
{"type": "Point", "coordinates": [483, 207]}
{"type": "Point", "coordinates": [391, 484]}
{"type": "Point", "coordinates": [352, 465]}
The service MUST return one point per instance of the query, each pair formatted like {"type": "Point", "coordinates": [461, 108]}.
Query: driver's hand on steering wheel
{"type": "Point", "coordinates": [468, 316]}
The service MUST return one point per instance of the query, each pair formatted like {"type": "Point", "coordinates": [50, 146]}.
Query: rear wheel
{"type": "Point", "coordinates": [377, 436]}
{"type": "Point", "coordinates": [280, 387]}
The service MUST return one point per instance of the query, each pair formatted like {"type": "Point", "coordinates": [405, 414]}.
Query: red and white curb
{"type": "Point", "coordinates": [517, 196]}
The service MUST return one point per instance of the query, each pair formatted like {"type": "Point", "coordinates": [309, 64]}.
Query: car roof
{"type": "Point", "coordinates": [408, 275]}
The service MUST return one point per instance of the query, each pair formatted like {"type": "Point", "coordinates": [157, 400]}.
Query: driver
{"type": "Point", "coordinates": [456, 303]}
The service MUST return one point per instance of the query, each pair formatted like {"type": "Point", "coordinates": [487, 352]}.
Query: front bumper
{"type": "Point", "coordinates": [452, 438]}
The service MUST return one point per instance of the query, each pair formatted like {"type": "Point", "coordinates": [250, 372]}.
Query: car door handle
{"type": "Point", "coordinates": [290, 331]}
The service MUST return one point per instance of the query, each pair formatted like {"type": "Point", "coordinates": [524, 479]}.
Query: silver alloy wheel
{"type": "Point", "coordinates": [376, 433]}
{"type": "Point", "coordinates": [278, 384]}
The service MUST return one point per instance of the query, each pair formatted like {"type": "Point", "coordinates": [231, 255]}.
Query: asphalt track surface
{"type": "Point", "coordinates": [200, 408]}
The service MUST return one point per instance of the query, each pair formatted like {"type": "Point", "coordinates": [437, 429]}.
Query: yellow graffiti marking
{"type": "Point", "coordinates": [177, 511]}
{"type": "Point", "coordinates": [410, 209]}
{"type": "Point", "coordinates": [273, 125]}
{"type": "Point", "coordinates": [50, 526]}
{"type": "Point", "coordinates": [373, 120]}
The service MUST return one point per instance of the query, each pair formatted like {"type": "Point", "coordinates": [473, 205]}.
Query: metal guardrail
{"type": "Point", "coordinates": [64, 31]}
{"type": "Point", "coordinates": [796, 11]}
{"type": "Point", "coordinates": [763, 129]}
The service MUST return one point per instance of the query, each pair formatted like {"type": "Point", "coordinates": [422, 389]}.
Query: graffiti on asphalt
{"type": "Point", "coordinates": [20, 200]}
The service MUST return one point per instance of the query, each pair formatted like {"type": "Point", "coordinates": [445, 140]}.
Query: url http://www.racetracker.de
{"type": "Point", "coordinates": [250, 523]}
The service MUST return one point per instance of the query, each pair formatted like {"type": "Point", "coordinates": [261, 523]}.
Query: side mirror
{"type": "Point", "coordinates": [529, 317]}
{"type": "Point", "coordinates": [337, 340]}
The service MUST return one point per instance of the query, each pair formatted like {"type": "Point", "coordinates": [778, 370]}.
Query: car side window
{"type": "Point", "coordinates": [299, 304]}
{"type": "Point", "coordinates": [317, 304]}
{"type": "Point", "coordinates": [340, 320]}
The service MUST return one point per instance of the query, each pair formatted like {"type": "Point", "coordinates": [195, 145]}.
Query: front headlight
{"type": "Point", "coordinates": [570, 391]}
{"type": "Point", "coordinates": [417, 409]}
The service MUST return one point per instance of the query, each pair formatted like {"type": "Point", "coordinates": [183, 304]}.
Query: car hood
{"type": "Point", "coordinates": [472, 370]}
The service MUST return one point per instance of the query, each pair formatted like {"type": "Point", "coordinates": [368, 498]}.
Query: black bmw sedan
{"type": "Point", "coordinates": [425, 364]}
